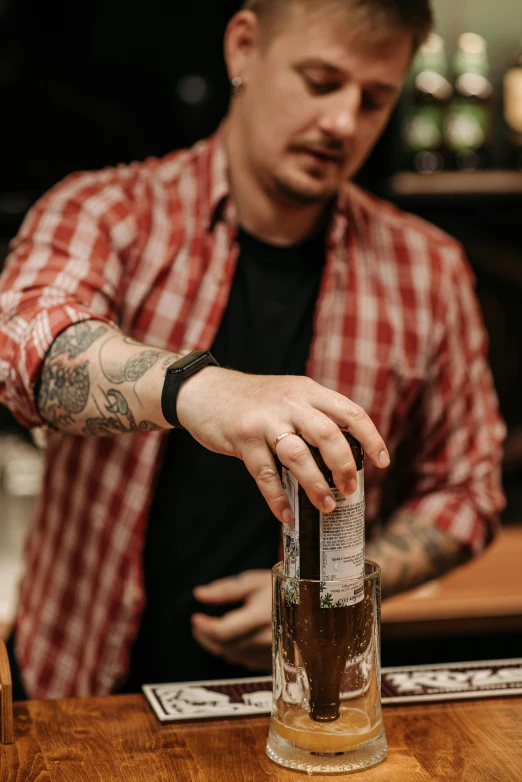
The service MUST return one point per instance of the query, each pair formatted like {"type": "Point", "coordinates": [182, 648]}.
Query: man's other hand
{"type": "Point", "coordinates": [244, 635]}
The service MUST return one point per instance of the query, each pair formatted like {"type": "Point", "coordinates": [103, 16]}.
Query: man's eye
{"type": "Point", "coordinates": [320, 87]}
{"type": "Point", "coordinates": [369, 104]}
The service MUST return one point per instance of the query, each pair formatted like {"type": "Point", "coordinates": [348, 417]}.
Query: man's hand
{"type": "Point", "coordinates": [242, 636]}
{"type": "Point", "coordinates": [241, 415]}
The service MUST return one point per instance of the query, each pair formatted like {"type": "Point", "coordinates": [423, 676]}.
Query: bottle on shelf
{"type": "Point", "coordinates": [512, 110]}
{"type": "Point", "coordinates": [468, 123]}
{"type": "Point", "coordinates": [325, 619]}
{"type": "Point", "coordinates": [423, 126]}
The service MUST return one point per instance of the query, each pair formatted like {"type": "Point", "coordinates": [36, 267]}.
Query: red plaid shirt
{"type": "Point", "coordinates": [151, 248]}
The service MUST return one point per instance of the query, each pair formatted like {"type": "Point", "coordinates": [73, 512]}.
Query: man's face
{"type": "Point", "coordinates": [316, 99]}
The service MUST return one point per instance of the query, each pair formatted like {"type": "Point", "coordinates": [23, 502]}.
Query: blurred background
{"type": "Point", "coordinates": [97, 83]}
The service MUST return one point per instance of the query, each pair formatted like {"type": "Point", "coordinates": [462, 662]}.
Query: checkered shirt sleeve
{"type": "Point", "coordinates": [452, 457]}
{"type": "Point", "coordinates": [65, 266]}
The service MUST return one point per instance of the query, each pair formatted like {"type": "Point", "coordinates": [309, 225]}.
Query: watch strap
{"type": "Point", "coordinates": [175, 375]}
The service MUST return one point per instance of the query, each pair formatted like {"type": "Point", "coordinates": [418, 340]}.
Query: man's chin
{"type": "Point", "coordinates": [306, 189]}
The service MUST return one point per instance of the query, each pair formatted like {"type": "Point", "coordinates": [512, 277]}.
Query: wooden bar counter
{"type": "Point", "coordinates": [119, 738]}
{"type": "Point", "coordinates": [485, 595]}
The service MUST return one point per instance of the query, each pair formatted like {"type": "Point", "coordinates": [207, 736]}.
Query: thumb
{"type": "Point", "coordinates": [224, 590]}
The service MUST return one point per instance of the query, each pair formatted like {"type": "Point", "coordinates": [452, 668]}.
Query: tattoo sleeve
{"type": "Point", "coordinates": [413, 550]}
{"type": "Point", "coordinates": [96, 381]}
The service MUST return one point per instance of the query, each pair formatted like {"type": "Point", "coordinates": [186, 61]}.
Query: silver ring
{"type": "Point", "coordinates": [279, 438]}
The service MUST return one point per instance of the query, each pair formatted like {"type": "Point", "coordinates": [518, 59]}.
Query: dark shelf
{"type": "Point", "coordinates": [455, 184]}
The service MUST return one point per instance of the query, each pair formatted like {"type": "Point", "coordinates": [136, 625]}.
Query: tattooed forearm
{"type": "Point", "coordinates": [130, 370]}
{"type": "Point", "coordinates": [76, 387]}
{"type": "Point", "coordinates": [411, 551]}
{"type": "Point", "coordinates": [64, 392]}
{"type": "Point", "coordinates": [77, 339]}
{"type": "Point", "coordinates": [118, 417]}
{"type": "Point", "coordinates": [64, 385]}
{"type": "Point", "coordinates": [167, 362]}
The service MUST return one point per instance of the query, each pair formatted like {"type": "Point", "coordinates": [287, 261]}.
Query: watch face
{"type": "Point", "coordinates": [191, 360]}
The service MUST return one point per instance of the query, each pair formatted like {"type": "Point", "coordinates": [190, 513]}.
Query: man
{"type": "Point", "coordinates": [250, 244]}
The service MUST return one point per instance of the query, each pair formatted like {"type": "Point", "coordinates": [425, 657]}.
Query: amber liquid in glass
{"type": "Point", "coordinates": [350, 730]}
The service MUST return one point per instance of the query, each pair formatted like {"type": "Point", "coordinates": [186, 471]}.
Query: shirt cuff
{"type": "Point", "coordinates": [32, 339]}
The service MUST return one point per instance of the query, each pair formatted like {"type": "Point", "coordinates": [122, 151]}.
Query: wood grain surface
{"type": "Point", "coordinates": [4, 630]}
{"type": "Point", "coordinates": [119, 738]}
{"type": "Point", "coordinates": [6, 698]}
{"type": "Point", "coordinates": [483, 595]}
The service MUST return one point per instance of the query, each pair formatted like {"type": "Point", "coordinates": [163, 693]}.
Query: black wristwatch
{"type": "Point", "coordinates": [176, 374]}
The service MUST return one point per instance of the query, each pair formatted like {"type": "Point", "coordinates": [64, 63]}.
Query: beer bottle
{"type": "Point", "coordinates": [423, 126]}
{"type": "Point", "coordinates": [324, 618]}
{"type": "Point", "coordinates": [512, 84]}
{"type": "Point", "coordinates": [468, 126]}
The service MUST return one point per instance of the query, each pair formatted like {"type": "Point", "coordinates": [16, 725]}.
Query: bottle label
{"type": "Point", "coordinates": [341, 543]}
{"type": "Point", "coordinates": [513, 99]}
{"type": "Point", "coordinates": [342, 548]}
{"type": "Point", "coordinates": [291, 538]}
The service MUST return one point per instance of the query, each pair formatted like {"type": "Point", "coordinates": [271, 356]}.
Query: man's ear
{"type": "Point", "coordinates": [241, 42]}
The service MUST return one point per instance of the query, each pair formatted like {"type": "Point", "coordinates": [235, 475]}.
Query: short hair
{"type": "Point", "coordinates": [377, 16]}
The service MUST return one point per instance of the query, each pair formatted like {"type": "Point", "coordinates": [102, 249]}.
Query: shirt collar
{"type": "Point", "coordinates": [219, 203]}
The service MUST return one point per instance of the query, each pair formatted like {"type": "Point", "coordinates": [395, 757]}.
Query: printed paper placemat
{"type": "Point", "coordinates": [405, 684]}
{"type": "Point", "coordinates": [451, 681]}
{"type": "Point", "coordinates": [208, 699]}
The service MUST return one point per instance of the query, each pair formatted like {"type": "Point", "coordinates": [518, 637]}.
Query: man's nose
{"type": "Point", "coordinates": [340, 117]}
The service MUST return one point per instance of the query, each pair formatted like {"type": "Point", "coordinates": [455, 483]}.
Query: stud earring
{"type": "Point", "coordinates": [237, 85]}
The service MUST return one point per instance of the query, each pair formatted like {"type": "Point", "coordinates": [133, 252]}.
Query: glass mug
{"type": "Point", "coordinates": [326, 704]}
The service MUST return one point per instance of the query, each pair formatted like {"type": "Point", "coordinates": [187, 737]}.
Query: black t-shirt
{"type": "Point", "coordinates": [208, 519]}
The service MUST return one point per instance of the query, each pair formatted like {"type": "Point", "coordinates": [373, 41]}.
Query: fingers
{"type": "Point", "coordinates": [232, 625]}
{"type": "Point", "coordinates": [243, 635]}
{"type": "Point", "coordinates": [234, 588]}
{"type": "Point", "coordinates": [325, 435]}
{"type": "Point", "coordinates": [261, 466]}
{"type": "Point", "coordinates": [253, 651]}
{"type": "Point", "coordinates": [205, 640]}
{"type": "Point", "coordinates": [294, 453]}
{"type": "Point", "coordinates": [321, 431]}
{"type": "Point", "coordinates": [224, 590]}
{"type": "Point", "coordinates": [352, 417]}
